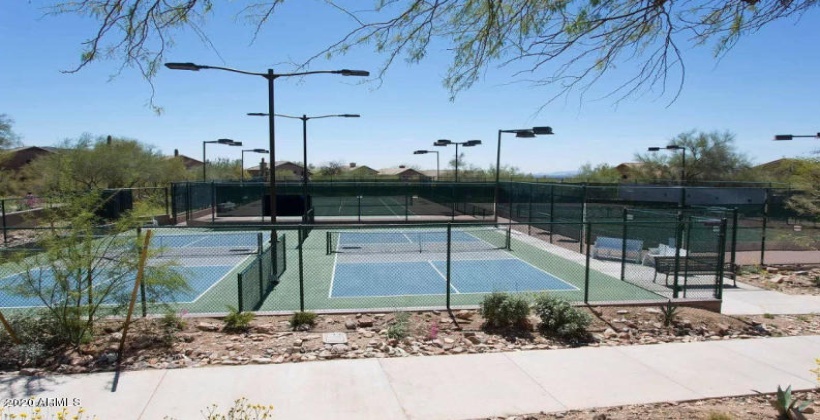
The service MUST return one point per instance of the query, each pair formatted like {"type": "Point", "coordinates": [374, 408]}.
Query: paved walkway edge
{"type": "Point", "coordinates": [447, 387]}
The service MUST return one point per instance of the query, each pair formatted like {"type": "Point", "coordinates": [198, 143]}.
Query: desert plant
{"type": "Point", "coordinates": [86, 272]}
{"type": "Point", "coordinates": [786, 404]}
{"type": "Point", "coordinates": [237, 321]}
{"type": "Point", "coordinates": [400, 327]}
{"type": "Point", "coordinates": [768, 316]}
{"type": "Point", "coordinates": [502, 310]}
{"type": "Point", "coordinates": [172, 321]}
{"type": "Point", "coordinates": [559, 318]}
{"type": "Point", "coordinates": [300, 320]}
{"type": "Point", "coordinates": [669, 313]}
{"type": "Point", "coordinates": [241, 410]}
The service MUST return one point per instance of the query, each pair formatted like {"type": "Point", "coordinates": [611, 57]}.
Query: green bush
{"type": "Point", "coordinates": [303, 319]}
{"type": "Point", "coordinates": [502, 310]}
{"type": "Point", "coordinates": [559, 318]}
{"type": "Point", "coordinates": [237, 321]}
{"type": "Point", "coordinates": [669, 313]}
{"type": "Point", "coordinates": [400, 327]}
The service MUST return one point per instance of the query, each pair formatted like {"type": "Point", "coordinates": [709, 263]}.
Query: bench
{"type": "Point", "coordinates": [688, 265]}
{"type": "Point", "coordinates": [662, 250]}
{"type": "Point", "coordinates": [605, 247]}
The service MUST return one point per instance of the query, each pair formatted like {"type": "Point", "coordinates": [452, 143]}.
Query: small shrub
{"type": "Point", "coordinates": [172, 321]}
{"type": "Point", "coordinates": [400, 327]}
{"type": "Point", "coordinates": [559, 318]}
{"type": "Point", "coordinates": [237, 321]}
{"type": "Point", "coordinates": [669, 313]}
{"type": "Point", "coordinates": [786, 404]}
{"type": "Point", "coordinates": [241, 410]}
{"type": "Point", "coordinates": [501, 310]}
{"type": "Point", "coordinates": [303, 320]}
{"type": "Point", "coordinates": [768, 316]}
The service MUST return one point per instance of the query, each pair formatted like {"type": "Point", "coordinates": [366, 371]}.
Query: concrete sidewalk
{"type": "Point", "coordinates": [447, 387]}
{"type": "Point", "coordinates": [746, 299]}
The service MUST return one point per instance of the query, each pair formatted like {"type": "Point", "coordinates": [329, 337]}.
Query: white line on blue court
{"type": "Point", "coordinates": [333, 274]}
{"type": "Point", "coordinates": [442, 275]}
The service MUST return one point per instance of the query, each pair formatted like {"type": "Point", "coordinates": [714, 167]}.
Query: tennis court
{"type": "Point", "coordinates": [394, 267]}
{"type": "Point", "coordinates": [208, 261]}
{"type": "Point", "coordinates": [398, 206]}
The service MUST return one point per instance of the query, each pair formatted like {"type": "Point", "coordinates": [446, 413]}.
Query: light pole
{"type": "Point", "coordinates": [422, 152]}
{"type": "Point", "coordinates": [229, 142]}
{"type": "Point", "coordinates": [270, 76]}
{"type": "Point", "coordinates": [468, 143]}
{"type": "Point", "coordinates": [682, 168]}
{"type": "Point", "coordinates": [242, 173]}
{"type": "Point", "coordinates": [523, 133]}
{"type": "Point", "coordinates": [793, 136]}
{"type": "Point", "coordinates": [683, 160]}
{"type": "Point", "coordinates": [304, 119]}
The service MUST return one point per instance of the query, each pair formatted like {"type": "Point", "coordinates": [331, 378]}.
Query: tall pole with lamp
{"type": "Point", "coordinates": [228, 142]}
{"type": "Point", "coordinates": [242, 173]}
{"type": "Point", "coordinates": [422, 152]}
{"type": "Point", "coordinates": [526, 133]}
{"type": "Point", "coordinates": [270, 76]}
{"type": "Point", "coordinates": [468, 143]}
{"type": "Point", "coordinates": [305, 173]}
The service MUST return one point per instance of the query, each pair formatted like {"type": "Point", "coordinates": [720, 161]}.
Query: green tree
{"type": "Point", "coordinates": [81, 276]}
{"type": "Point", "coordinates": [564, 45]}
{"type": "Point", "coordinates": [709, 157]}
{"type": "Point", "coordinates": [102, 162]}
{"type": "Point", "coordinates": [806, 178]}
{"type": "Point", "coordinates": [600, 173]}
{"type": "Point", "coordinates": [331, 169]}
{"type": "Point", "coordinates": [8, 138]}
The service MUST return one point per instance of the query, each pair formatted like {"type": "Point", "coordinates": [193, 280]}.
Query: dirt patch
{"type": "Point", "coordinates": [795, 281]}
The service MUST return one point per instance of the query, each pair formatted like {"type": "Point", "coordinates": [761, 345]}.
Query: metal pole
{"type": "Point", "coordinates": [242, 168]}
{"type": "Point", "coordinates": [204, 162]}
{"type": "Point", "coordinates": [438, 175]}
{"type": "Point", "coordinates": [301, 273]}
{"type": "Point", "coordinates": [623, 246]}
{"type": "Point", "coordinates": [449, 242]}
{"type": "Point", "coordinates": [678, 240]}
{"type": "Point", "coordinates": [734, 243]}
{"type": "Point", "coordinates": [763, 231]}
{"type": "Point", "coordinates": [586, 268]}
{"type": "Point", "coordinates": [497, 176]}
{"type": "Point", "coordinates": [5, 230]}
{"type": "Point", "coordinates": [721, 256]}
{"type": "Point", "coordinates": [304, 167]}
{"type": "Point", "coordinates": [456, 161]}
{"type": "Point", "coordinates": [683, 179]}
{"type": "Point", "coordinates": [272, 147]}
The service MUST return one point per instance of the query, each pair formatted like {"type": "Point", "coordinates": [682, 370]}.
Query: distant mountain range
{"type": "Point", "coordinates": [560, 174]}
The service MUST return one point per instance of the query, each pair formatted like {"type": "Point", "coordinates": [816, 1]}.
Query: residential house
{"type": "Point", "coordinates": [17, 158]}
{"type": "Point", "coordinates": [187, 161]}
{"type": "Point", "coordinates": [404, 174]}
{"type": "Point", "coordinates": [628, 169]}
{"type": "Point", "coordinates": [355, 171]}
{"type": "Point", "coordinates": [283, 167]}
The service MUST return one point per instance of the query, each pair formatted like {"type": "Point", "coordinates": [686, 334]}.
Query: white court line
{"type": "Point", "coordinates": [388, 208]}
{"type": "Point", "coordinates": [333, 273]}
{"type": "Point", "coordinates": [442, 275]}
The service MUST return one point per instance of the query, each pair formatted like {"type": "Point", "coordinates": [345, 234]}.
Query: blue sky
{"type": "Point", "coordinates": [768, 84]}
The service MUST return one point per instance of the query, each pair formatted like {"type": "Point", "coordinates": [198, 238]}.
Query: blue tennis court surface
{"type": "Point", "coordinates": [200, 279]}
{"type": "Point", "coordinates": [359, 279]}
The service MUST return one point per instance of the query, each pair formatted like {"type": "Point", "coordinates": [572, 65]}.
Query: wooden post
{"type": "Point", "coordinates": [140, 272]}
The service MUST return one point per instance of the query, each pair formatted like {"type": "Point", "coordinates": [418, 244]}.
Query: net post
{"type": "Point", "coordinates": [763, 231]}
{"type": "Point", "coordinates": [239, 292]}
{"type": "Point", "coordinates": [586, 266]}
{"type": "Point", "coordinates": [261, 274]}
{"type": "Point", "coordinates": [732, 260]}
{"type": "Point", "coordinates": [301, 274]}
{"type": "Point", "coordinates": [721, 258]}
{"type": "Point", "coordinates": [327, 242]}
{"type": "Point", "coordinates": [449, 260]}
{"type": "Point", "coordinates": [508, 237]}
{"type": "Point", "coordinates": [678, 239]}
{"type": "Point", "coordinates": [213, 200]}
{"type": "Point", "coordinates": [274, 243]}
{"type": "Point", "coordinates": [552, 209]}
{"type": "Point", "coordinates": [623, 246]}
{"type": "Point", "coordinates": [284, 247]}
{"type": "Point", "coordinates": [407, 202]}
{"type": "Point", "coordinates": [688, 247]}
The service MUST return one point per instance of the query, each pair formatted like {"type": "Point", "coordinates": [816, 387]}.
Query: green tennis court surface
{"type": "Point", "coordinates": [360, 269]}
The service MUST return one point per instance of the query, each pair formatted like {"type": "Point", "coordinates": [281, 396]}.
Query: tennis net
{"type": "Point", "coordinates": [208, 244]}
{"type": "Point", "coordinates": [463, 239]}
